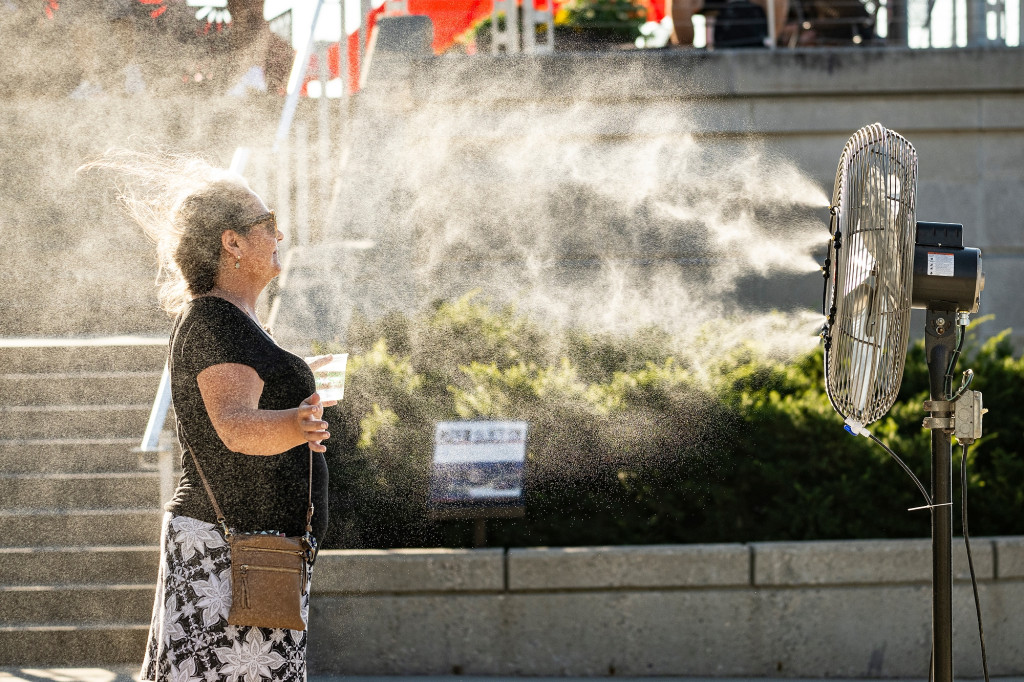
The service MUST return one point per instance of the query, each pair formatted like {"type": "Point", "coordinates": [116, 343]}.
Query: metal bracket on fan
{"type": "Point", "coordinates": [836, 239]}
{"type": "Point", "coordinates": [961, 417]}
{"type": "Point", "coordinates": [941, 415]}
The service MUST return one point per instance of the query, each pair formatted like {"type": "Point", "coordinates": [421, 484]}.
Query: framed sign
{"type": "Point", "coordinates": [478, 469]}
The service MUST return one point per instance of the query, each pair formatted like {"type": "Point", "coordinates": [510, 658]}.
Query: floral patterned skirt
{"type": "Point", "coordinates": [189, 638]}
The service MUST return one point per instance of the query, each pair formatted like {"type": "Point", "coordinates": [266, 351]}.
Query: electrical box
{"type": "Point", "coordinates": [967, 413]}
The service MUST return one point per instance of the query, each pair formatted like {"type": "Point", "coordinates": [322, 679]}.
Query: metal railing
{"type": "Point", "coordinates": [918, 24]}
{"type": "Point", "coordinates": [963, 23]}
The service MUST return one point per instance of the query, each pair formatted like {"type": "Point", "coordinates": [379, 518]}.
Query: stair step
{"type": "Point", "coordinates": [73, 455]}
{"type": "Point", "coordinates": [73, 421]}
{"type": "Point", "coordinates": [79, 505]}
{"type": "Point", "coordinates": [69, 645]}
{"type": "Point", "coordinates": [20, 566]}
{"type": "Point", "coordinates": [80, 491]}
{"type": "Point", "coordinates": [79, 604]}
{"type": "Point", "coordinates": [72, 388]}
{"type": "Point", "coordinates": [103, 527]}
{"type": "Point", "coordinates": [102, 354]}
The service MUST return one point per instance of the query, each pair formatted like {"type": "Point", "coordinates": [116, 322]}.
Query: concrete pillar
{"type": "Point", "coordinates": [898, 18]}
{"type": "Point", "coordinates": [977, 33]}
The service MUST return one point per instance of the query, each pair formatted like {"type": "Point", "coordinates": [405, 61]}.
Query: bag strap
{"type": "Point", "coordinates": [309, 504]}
{"type": "Point", "coordinates": [220, 514]}
{"type": "Point", "coordinates": [209, 491]}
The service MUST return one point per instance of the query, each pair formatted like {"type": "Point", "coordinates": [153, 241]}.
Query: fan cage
{"type": "Point", "coordinates": [868, 297]}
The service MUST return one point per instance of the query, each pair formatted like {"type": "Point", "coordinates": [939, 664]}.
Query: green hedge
{"type": "Point", "coordinates": [627, 445]}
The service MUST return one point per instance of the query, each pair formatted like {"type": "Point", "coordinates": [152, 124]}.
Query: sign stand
{"type": "Point", "coordinates": [479, 516]}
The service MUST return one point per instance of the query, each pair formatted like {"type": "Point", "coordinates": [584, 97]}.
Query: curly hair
{"type": "Point", "coordinates": [184, 205]}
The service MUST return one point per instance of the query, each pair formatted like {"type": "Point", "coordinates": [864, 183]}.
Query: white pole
{"type": "Point", "coordinates": [298, 75]}
{"type": "Point", "coordinates": [772, 38]}
{"type": "Point", "coordinates": [343, 54]}
{"type": "Point", "coordinates": [302, 190]}
{"type": "Point", "coordinates": [364, 30]}
{"type": "Point", "coordinates": [239, 160]}
{"type": "Point", "coordinates": [157, 415]}
{"type": "Point", "coordinates": [323, 154]}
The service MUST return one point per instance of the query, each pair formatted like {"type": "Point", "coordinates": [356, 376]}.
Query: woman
{"type": "Point", "coordinates": [245, 407]}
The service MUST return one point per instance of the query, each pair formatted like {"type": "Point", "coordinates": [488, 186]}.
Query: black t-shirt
{"type": "Point", "coordinates": [256, 493]}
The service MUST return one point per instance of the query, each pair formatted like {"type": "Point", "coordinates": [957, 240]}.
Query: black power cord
{"type": "Point", "coordinates": [950, 396]}
{"type": "Point", "coordinates": [920, 486]}
{"type": "Point", "coordinates": [947, 388]}
{"type": "Point", "coordinates": [970, 559]}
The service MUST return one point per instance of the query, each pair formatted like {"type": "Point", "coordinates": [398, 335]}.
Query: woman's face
{"type": "Point", "coordinates": [260, 253]}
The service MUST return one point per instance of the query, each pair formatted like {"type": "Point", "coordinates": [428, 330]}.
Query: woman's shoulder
{"type": "Point", "coordinates": [210, 309]}
{"type": "Point", "coordinates": [212, 316]}
{"type": "Point", "coordinates": [215, 330]}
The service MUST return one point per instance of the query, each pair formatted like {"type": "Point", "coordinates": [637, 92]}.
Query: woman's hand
{"type": "Point", "coordinates": [311, 422]}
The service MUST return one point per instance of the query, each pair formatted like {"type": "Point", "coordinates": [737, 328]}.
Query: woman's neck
{"type": "Point", "coordinates": [244, 301]}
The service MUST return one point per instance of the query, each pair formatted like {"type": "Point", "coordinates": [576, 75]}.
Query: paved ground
{"type": "Point", "coordinates": [131, 674]}
{"type": "Point", "coordinates": [123, 673]}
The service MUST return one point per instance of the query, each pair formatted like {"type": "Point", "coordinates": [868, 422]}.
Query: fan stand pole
{"type": "Point", "coordinates": [940, 341]}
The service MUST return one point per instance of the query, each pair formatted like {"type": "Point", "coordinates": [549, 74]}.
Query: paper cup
{"type": "Point", "coordinates": [330, 379]}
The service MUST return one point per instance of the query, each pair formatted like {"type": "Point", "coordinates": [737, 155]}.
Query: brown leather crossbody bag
{"type": "Point", "coordinates": [269, 573]}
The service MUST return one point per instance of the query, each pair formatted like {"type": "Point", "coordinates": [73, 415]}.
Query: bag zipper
{"type": "Point", "coordinates": [247, 567]}
{"type": "Point", "coordinates": [296, 552]}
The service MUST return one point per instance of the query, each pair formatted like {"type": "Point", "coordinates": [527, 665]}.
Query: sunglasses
{"type": "Point", "coordinates": [262, 218]}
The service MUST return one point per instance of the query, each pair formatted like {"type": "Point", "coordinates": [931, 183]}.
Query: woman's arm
{"type": "Point", "coordinates": [231, 393]}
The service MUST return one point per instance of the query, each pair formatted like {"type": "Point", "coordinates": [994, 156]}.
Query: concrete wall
{"type": "Point", "coordinates": [814, 609]}
{"type": "Point", "coordinates": [70, 249]}
{"type": "Point", "coordinates": [960, 108]}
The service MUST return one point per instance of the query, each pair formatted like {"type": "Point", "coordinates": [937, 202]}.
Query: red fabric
{"type": "Point", "coordinates": [451, 18]}
{"type": "Point", "coordinates": [157, 11]}
{"type": "Point", "coordinates": [334, 56]}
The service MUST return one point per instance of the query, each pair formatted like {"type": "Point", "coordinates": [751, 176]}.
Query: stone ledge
{"type": "Point", "coordinates": [409, 570]}
{"type": "Point", "coordinates": [651, 75]}
{"type": "Point", "coordinates": [1010, 557]}
{"type": "Point", "coordinates": [836, 610]}
{"type": "Point", "coordinates": [658, 567]}
{"type": "Point", "coordinates": [665, 566]}
{"type": "Point", "coordinates": [864, 562]}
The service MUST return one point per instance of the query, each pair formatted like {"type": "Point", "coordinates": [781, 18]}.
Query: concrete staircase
{"type": "Point", "coordinates": [79, 510]}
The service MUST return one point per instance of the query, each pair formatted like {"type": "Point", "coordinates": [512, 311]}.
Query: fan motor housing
{"type": "Point", "coordinates": [946, 273]}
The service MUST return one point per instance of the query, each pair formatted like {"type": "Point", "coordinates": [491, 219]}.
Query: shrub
{"type": "Point", "coordinates": [628, 446]}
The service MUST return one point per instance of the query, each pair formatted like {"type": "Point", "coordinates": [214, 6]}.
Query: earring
{"type": "Point", "coordinates": [238, 263]}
